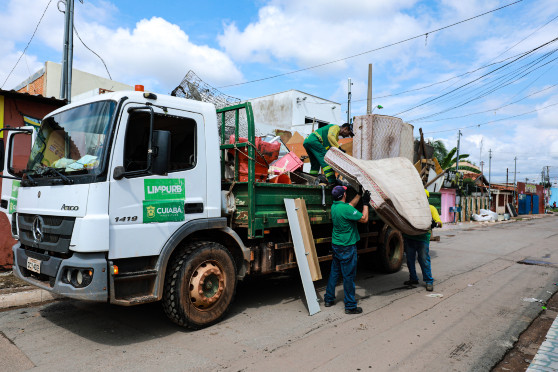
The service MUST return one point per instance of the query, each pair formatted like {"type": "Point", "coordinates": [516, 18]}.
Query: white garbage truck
{"type": "Point", "coordinates": [134, 197]}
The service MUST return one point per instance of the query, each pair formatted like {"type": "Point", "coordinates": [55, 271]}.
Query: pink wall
{"type": "Point", "coordinates": [448, 200]}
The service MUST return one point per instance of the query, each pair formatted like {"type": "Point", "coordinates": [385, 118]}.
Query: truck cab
{"type": "Point", "coordinates": [114, 184]}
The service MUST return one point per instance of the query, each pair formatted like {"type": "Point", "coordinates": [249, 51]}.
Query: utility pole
{"type": "Point", "coordinates": [506, 177]}
{"type": "Point", "coordinates": [480, 155]}
{"type": "Point", "coordinates": [68, 55]}
{"type": "Point", "coordinates": [457, 163]}
{"type": "Point", "coordinates": [457, 159]}
{"type": "Point", "coordinates": [369, 98]}
{"type": "Point", "coordinates": [489, 172]}
{"type": "Point", "coordinates": [349, 101]}
{"type": "Point", "coordinates": [514, 179]}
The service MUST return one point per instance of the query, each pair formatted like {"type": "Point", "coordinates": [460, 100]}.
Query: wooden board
{"type": "Point", "coordinates": [301, 254]}
{"type": "Point", "coordinates": [308, 238]}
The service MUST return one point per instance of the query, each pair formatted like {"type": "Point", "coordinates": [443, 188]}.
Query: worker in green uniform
{"type": "Point", "coordinates": [321, 140]}
{"type": "Point", "coordinates": [344, 237]}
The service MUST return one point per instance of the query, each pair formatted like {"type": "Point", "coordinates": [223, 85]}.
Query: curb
{"type": "Point", "coordinates": [25, 298]}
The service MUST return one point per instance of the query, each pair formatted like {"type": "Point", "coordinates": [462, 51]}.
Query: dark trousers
{"type": "Point", "coordinates": [344, 263]}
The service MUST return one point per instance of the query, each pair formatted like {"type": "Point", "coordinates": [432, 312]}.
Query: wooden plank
{"type": "Point", "coordinates": [308, 239]}
{"type": "Point", "coordinates": [300, 251]}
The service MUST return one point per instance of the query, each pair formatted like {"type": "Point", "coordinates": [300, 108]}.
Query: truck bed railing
{"type": "Point", "coordinates": [237, 145]}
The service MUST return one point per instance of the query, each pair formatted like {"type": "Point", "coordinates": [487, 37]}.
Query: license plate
{"type": "Point", "coordinates": [34, 265]}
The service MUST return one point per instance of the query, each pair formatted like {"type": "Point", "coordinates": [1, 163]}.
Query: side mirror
{"type": "Point", "coordinates": [161, 148]}
{"type": "Point", "coordinates": [1, 154]}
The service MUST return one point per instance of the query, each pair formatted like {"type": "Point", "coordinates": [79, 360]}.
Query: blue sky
{"type": "Point", "coordinates": [226, 42]}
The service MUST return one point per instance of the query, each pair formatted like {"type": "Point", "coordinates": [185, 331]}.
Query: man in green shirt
{"type": "Point", "coordinates": [321, 140]}
{"type": "Point", "coordinates": [344, 238]}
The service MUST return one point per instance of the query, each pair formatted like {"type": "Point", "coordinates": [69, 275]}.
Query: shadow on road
{"type": "Point", "coordinates": [116, 325]}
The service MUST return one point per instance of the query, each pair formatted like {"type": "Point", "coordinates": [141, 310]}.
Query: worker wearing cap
{"type": "Point", "coordinates": [344, 238]}
{"type": "Point", "coordinates": [419, 245]}
{"type": "Point", "coordinates": [321, 140]}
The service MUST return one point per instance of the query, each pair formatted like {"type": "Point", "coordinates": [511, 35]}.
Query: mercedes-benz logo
{"type": "Point", "coordinates": [38, 229]}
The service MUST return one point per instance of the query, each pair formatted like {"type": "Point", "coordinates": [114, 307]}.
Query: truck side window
{"type": "Point", "coordinates": [20, 148]}
{"type": "Point", "coordinates": [183, 141]}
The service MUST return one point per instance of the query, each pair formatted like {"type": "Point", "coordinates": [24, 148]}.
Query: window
{"type": "Point", "coordinates": [20, 148]}
{"type": "Point", "coordinates": [183, 141]}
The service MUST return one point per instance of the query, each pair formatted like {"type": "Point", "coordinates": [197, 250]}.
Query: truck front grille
{"type": "Point", "coordinates": [54, 235]}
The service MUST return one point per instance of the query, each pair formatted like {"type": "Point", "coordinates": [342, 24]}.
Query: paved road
{"type": "Point", "coordinates": [479, 317]}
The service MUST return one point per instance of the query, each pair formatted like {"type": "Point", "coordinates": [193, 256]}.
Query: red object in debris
{"type": "Point", "coordinates": [266, 154]}
{"type": "Point", "coordinates": [288, 163]}
{"type": "Point", "coordinates": [138, 88]}
{"type": "Point", "coordinates": [282, 178]}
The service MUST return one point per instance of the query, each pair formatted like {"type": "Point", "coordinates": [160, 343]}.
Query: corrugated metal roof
{"type": "Point", "coordinates": [33, 97]}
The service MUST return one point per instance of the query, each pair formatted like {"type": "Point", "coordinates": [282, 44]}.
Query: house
{"type": "Point", "coordinates": [530, 198]}
{"type": "Point", "coordinates": [294, 110]}
{"type": "Point", "coordinates": [16, 110]}
{"type": "Point", "coordinates": [46, 82]}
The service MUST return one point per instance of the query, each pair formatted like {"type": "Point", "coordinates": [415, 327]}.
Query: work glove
{"type": "Point", "coordinates": [366, 198]}
{"type": "Point", "coordinates": [360, 190]}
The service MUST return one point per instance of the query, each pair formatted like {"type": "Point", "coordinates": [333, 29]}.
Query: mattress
{"type": "Point", "coordinates": [397, 193]}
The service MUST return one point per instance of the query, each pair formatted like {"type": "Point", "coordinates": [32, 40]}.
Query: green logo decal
{"type": "Point", "coordinates": [164, 189]}
{"type": "Point", "coordinates": [163, 210]}
{"type": "Point", "coordinates": [13, 198]}
{"type": "Point", "coordinates": [15, 188]}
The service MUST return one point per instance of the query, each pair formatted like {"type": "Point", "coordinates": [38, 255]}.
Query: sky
{"type": "Point", "coordinates": [495, 76]}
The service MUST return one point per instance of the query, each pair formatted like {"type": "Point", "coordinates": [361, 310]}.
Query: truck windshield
{"type": "Point", "coordinates": [72, 141]}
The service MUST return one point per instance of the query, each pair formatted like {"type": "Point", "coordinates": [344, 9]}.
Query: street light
{"type": "Point", "coordinates": [379, 107]}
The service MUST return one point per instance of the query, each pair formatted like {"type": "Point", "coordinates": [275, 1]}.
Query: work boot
{"type": "Point", "coordinates": [356, 310]}
{"type": "Point", "coordinates": [410, 282]}
{"type": "Point", "coordinates": [429, 287]}
{"type": "Point", "coordinates": [329, 303]}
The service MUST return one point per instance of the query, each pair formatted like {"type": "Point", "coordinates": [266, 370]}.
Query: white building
{"type": "Point", "coordinates": [46, 82]}
{"type": "Point", "coordinates": [294, 110]}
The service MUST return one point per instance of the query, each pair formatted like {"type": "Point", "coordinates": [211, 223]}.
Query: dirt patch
{"type": "Point", "coordinates": [525, 349]}
{"type": "Point", "coordinates": [6, 243]}
{"type": "Point", "coordinates": [9, 281]}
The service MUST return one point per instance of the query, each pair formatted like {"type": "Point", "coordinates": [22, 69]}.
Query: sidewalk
{"type": "Point", "coordinates": [547, 356]}
{"type": "Point", "coordinates": [15, 293]}
{"type": "Point", "coordinates": [448, 226]}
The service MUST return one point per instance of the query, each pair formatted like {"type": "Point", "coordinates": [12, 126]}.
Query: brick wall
{"type": "Point", "coordinates": [35, 87]}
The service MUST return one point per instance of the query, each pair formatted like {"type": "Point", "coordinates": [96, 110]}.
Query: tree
{"type": "Point", "coordinates": [449, 160]}
{"type": "Point", "coordinates": [440, 150]}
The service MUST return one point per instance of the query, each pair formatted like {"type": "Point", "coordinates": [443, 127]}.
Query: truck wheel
{"type": "Point", "coordinates": [390, 252]}
{"type": "Point", "coordinates": [199, 285]}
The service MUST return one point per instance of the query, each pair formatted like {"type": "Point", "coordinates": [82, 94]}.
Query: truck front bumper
{"type": "Point", "coordinates": [52, 271]}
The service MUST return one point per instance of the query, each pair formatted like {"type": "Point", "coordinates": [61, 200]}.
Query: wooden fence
{"type": "Point", "coordinates": [471, 205]}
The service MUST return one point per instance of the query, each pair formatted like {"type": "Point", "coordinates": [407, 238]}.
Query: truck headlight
{"type": "Point", "coordinates": [78, 278]}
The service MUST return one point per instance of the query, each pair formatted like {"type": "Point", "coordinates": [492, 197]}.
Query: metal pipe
{"type": "Point", "coordinates": [369, 97]}
{"type": "Point", "coordinates": [70, 51]}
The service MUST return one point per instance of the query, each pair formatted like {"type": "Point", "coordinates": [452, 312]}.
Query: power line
{"type": "Point", "coordinates": [372, 50]}
{"type": "Point", "coordinates": [493, 109]}
{"type": "Point", "coordinates": [27, 46]}
{"type": "Point", "coordinates": [106, 68]}
{"type": "Point", "coordinates": [481, 77]}
{"type": "Point", "coordinates": [494, 121]}
{"type": "Point", "coordinates": [500, 85]}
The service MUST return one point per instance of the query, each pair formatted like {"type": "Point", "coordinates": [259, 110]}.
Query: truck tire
{"type": "Point", "coordinates": [199, 285]}
{"type": "Point", "coordinates": [390, 251]}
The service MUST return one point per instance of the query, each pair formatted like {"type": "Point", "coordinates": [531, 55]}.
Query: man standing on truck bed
{"type": "Point", "coordinates": [317, 144]}
{"type": "Point", "coordinates": [344, 238]}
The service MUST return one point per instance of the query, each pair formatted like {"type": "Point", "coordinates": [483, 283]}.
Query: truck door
{"type": "Point", "coordinates": [145, 210]}
{"type": "Point", "coordinates": [18, 147]}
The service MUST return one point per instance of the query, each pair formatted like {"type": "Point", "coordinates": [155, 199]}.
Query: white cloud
{"type": "Point", "coordinates": [154, 52]}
